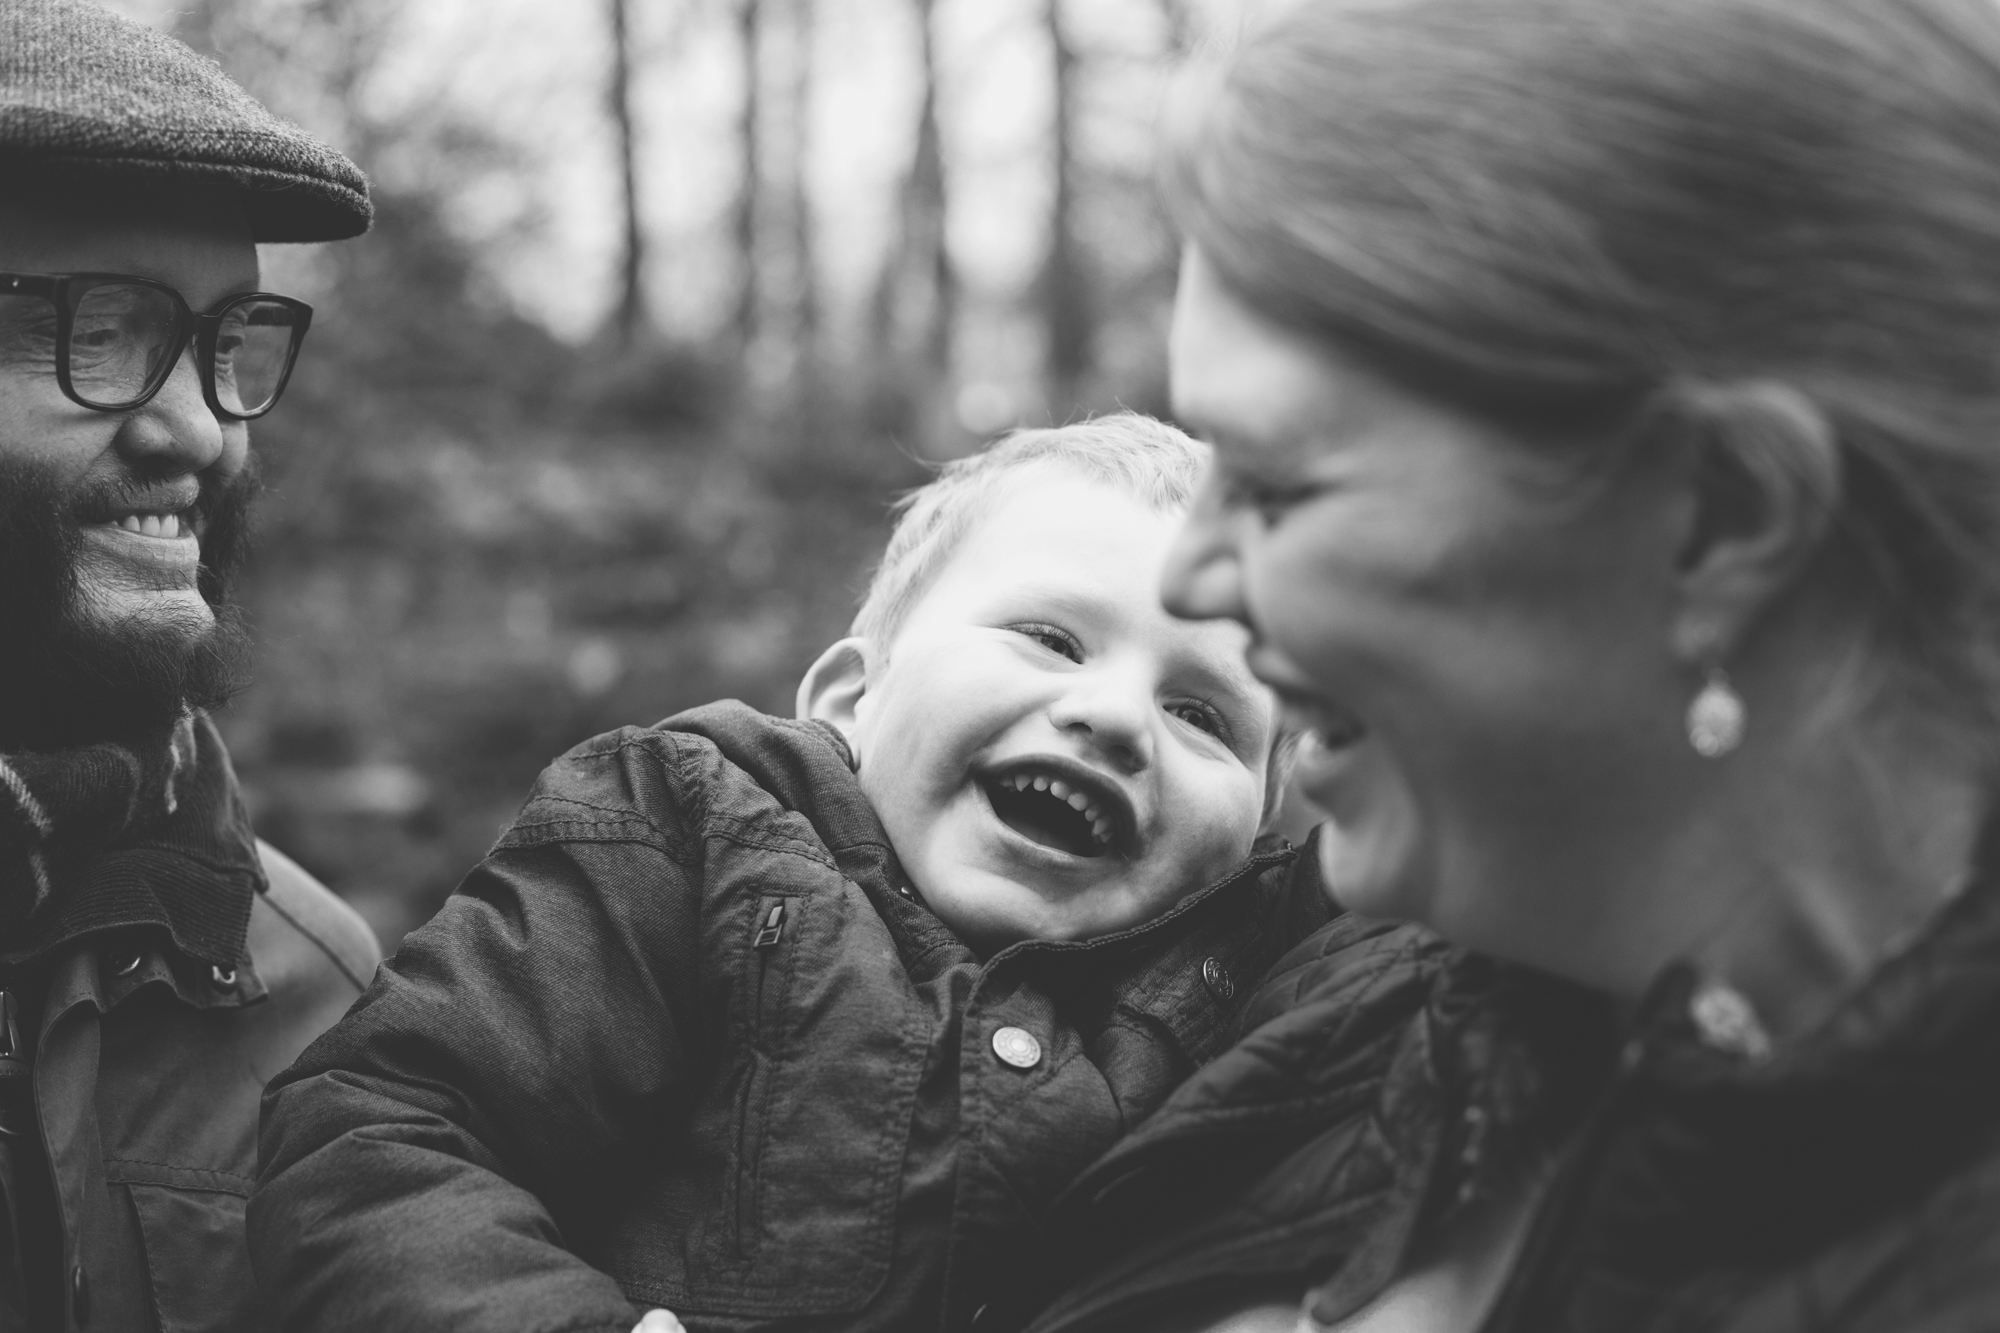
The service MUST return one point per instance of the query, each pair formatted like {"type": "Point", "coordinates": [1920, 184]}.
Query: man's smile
{"type": "Point", "coordinates": [168, 526]}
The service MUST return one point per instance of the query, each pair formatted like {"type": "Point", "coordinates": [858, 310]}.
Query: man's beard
{"type": "Point", "coordinates": [70, 677]}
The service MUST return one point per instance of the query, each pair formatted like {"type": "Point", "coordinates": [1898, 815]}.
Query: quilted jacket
{"type": "Point", "coordinates": [1849, 1183]}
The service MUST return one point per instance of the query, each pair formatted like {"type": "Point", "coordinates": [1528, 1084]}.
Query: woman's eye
{"type": "Point", "coordinates": [1058, 641]}
{"type": "Point", "coordinates": [1201, 716]}
{"type": "Point", "coordinates": [1271, 500]}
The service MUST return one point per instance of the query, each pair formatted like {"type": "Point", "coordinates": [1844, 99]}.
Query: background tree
{"type": "Point", "coordinates": [484, 538]}
{"type": "Point", "coordinates": [630, 314]}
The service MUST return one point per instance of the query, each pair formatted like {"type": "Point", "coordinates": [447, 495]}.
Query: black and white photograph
{"type": "Point", "coordinates": [999, 666]}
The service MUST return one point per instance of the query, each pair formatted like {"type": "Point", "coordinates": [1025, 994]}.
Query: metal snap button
{"type": "Point", "coordinates": [1216, 977]}
{"type": "Point", "coordinates": [126, 963]}
{"type": "Point", "coordinates": [1017, 1047]}
{"type": "Point", "coordinates": [223, 977]}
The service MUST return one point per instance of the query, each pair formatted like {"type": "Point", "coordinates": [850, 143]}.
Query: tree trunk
{"type": "Point", "coordinates": [916, 297]}
{"type": "Point", "coordinates": [749, 25]}
{"type": "Point", "coordinates": [805, 312]}
{"type": "Point", "coordinates": [1065, 303]}
{"type": "Point", "coordinates": [631, 315]}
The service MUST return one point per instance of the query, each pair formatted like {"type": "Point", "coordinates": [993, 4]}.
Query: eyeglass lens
{"type": "Point", "coordinates": [119, 338]}
{"type": "Point", "coordinates": [122, 334]}
{"type": "Point", "coordinates": [252, 349]}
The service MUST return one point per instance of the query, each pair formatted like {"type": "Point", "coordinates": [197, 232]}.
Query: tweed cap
{"type": "Point", "coordinates": [84, 90]}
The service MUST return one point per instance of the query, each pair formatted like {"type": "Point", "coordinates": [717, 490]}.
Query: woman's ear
{"type": "Point", "coordinates": [834, 685]}
{"type": "Point", "coordinates": [1764, 477]}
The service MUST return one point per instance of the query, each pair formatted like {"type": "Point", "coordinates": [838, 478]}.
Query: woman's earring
{"type": "Point", "coordinates": [1716, 718]}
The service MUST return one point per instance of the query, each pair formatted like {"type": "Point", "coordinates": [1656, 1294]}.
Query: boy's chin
{"type": "Point", "coordinates": [990, 909]}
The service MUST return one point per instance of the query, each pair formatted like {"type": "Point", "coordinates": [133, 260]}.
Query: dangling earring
{"type": "Point", "coordinates": [1716, 718]}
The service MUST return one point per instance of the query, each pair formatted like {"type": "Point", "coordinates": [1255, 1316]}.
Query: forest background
{"type": "Point", "coordinates": [665, 302]}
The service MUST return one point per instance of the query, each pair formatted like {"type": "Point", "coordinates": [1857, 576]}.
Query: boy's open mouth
{"type": "Point", "coordinates": [1059, 806]}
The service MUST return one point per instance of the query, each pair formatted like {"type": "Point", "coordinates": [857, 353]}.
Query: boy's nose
{"type": "Point", "coordinates": [1110, 716]}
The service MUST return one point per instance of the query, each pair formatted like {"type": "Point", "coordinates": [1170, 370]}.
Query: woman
{"type": "Point", "coordinates": [1606, 400]}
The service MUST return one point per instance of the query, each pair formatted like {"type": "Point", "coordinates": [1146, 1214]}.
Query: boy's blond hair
{"type": "Point", "coordinates": [1147, 459]}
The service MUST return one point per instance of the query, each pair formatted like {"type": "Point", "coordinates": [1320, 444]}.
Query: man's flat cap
{"type": "Point", "coordinates": [83, 90]}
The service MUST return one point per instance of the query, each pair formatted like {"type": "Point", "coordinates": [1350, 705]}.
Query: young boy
{"type": "Point", "coordinates": [802, 1024]}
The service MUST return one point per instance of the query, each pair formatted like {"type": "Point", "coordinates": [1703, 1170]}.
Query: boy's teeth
{"type": "Point", "coordinates": [1041, 783]}
{"type": "Point", "coordinates": [130, 523]}
{"type": "Point", "coordinates": [1077, 800]}
{"type": "Point", "coordinates": [1100, 829]}
{"type": "Point", "coordinates": [1058, 789]}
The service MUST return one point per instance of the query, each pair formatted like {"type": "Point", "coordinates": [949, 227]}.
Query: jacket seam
{"type": "Point", "coordinates": [180, 1166]}
{"type": "Point", "coordinates": [634, 830]}
{"type": "Point", "coordinates": [321, 945]}
{"type": "Point", "coordinates": [622, 812]}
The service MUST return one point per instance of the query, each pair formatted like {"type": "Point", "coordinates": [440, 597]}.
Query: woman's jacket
{"type": "Point", "coordinates": [1850, 1180]}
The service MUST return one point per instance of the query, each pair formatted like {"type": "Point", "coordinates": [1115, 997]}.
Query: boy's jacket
{"type": "Point", "coordinates": [687, 1038]}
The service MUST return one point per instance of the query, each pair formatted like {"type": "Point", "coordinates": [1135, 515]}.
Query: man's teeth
{"type": "Point", "coordinates": [152, 525]}
{"type": "Point", "coordinates": [1101, 823]}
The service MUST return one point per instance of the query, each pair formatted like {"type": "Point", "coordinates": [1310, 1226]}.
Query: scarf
{"type": "Point", "coordinates": [109, 836]}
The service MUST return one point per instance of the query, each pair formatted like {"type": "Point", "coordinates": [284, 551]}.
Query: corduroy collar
{"type": "Point", "coordinates": [106, 837]}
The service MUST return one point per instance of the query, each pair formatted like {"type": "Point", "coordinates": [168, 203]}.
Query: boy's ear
{"type": "Point", "coordinates": [833, 686]}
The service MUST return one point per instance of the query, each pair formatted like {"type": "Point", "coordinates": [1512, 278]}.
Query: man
{"type": "Point", "coordinates": [157, 963]}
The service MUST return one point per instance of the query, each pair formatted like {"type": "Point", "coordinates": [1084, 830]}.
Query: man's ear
{"type": "Point", "coordinates": [833, 686]}
{"type": "Point", "coordinates": [1764, 477]}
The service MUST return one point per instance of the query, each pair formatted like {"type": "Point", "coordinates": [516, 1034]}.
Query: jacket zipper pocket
{"type": "Point", "coordinates": [772, 926]}
{"type": "Point", "coordinates": [770, 934]}
{"type": "Point", "coordinates": [772, 930]}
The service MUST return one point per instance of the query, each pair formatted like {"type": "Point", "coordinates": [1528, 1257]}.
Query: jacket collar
{"type": "Point", "coordinates": [808, 768]}
{"type": "Point", "coordinates": [1769, 1157]}
{"type": "Point", "coordinates": [106, 838]}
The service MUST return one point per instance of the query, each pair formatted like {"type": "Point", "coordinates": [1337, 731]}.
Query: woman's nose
{"type": "Point", "coordinates": [176, 432]}
{"type": "Point", "coordinates": [1110, 710]}
{"type": "Point", "coordinates": [1203, 578]}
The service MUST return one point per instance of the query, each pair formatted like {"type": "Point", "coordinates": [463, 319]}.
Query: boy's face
{"type": "Point", "coordinates": [1052, 754]}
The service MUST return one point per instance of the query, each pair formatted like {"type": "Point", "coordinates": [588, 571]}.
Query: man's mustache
{"type": "Point", "coordinates": [196, 500]}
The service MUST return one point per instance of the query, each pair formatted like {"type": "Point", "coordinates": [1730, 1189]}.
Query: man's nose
{"type": "Point", "coordinates": [1203, 578]}
{"type": "Point", "coordinates": [176, 431]}
{"type": "Point", "coordinates": [1110, 708]}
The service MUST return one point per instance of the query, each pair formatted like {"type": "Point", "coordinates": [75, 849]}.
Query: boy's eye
{"type": "Point", "coordinates": [1057, 640]}
{"type": "Point", "coordinates": [1201, 715]}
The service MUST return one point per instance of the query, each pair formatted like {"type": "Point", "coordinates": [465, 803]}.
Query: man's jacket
{"type": "Point", "coordinates": [171, 966]}
{"type": "Point", "coordinates": [1849, 1183]}
{"type": "Point", "coordinates": [148, 1073]}
{"type": "Point", "coordinates": [688, 1038]}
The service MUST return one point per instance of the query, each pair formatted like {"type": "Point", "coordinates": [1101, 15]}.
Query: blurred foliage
{"type": "Point", "coordinates": [481, 545]}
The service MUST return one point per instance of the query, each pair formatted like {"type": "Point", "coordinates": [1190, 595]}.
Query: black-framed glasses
{"type": "Point", "coordinates": [115, 340]}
